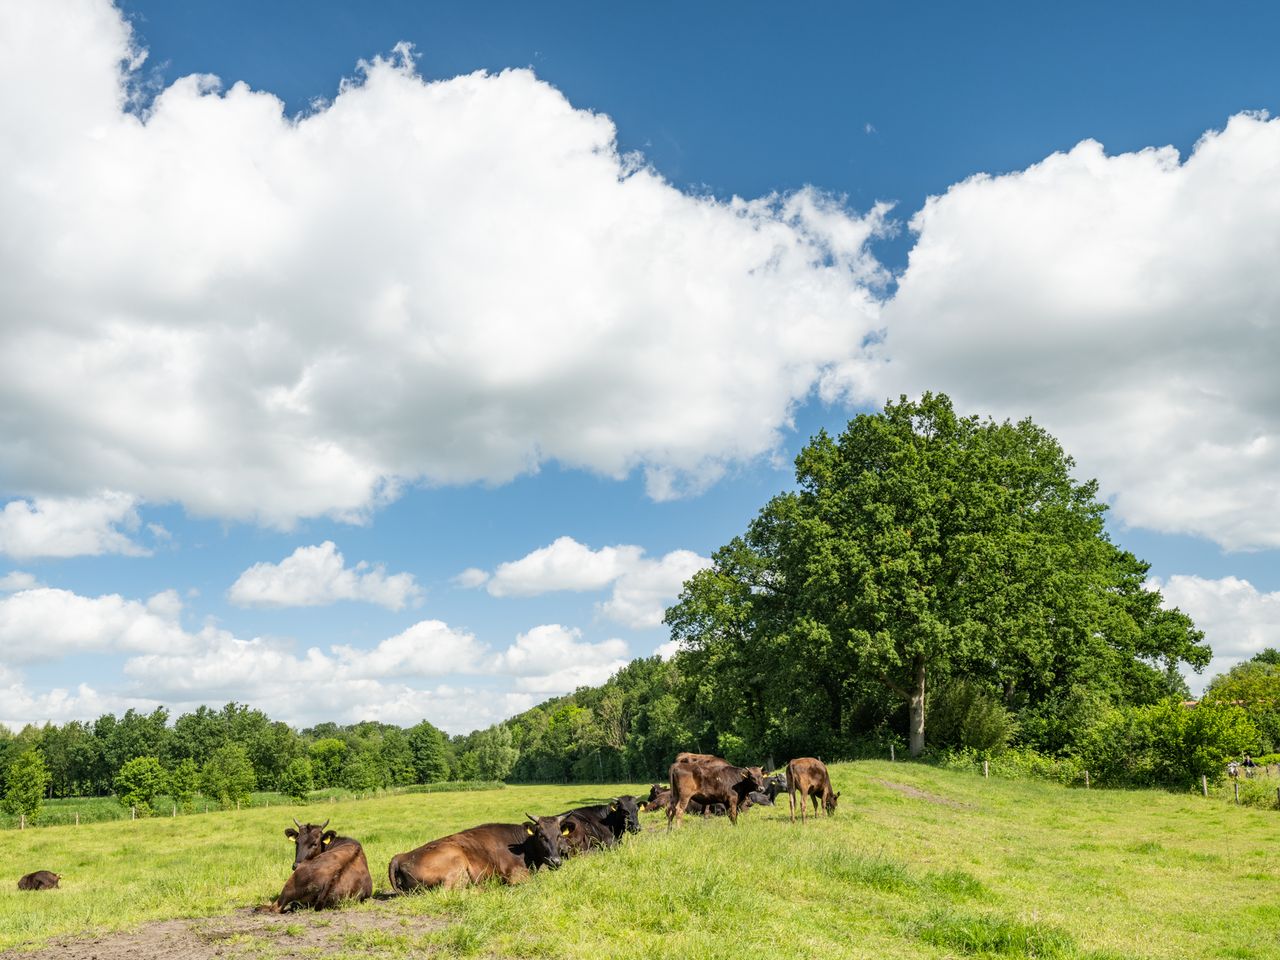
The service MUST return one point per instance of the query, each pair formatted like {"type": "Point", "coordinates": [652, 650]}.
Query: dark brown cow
{"type": "Point", "coordinates": [809, 776]}
{"type": "Point", "coordinates": [327, 870]}
{"type": "Point", "coordinates": [600, 826]}
{"type": "Point", "coordinates": [508, 851]}
{"type": "Point", "coordinates": [710, 780]}
{"type": "Point", "coordinates": [40, 880]}
{"type": "Point", "coordinates": [659, 798]}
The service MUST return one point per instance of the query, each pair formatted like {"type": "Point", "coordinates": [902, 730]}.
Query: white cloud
{"type": "Point", "coordinates": [17, 580]}
{"type": "Point", "coordinates": [317, 576]}
{"type": "Point", "coordinates": [70, 527]}
{"type": "Point", "coordinates": [519, 293]}
{"type": "Point", "coordinates": [43, 624]}
{"type": "Point", "coordinates": [642, 594]}
{"type": "Point", "coordinates": [642, 588]}
{"type": "Point", "coordinates": [1131, 305]}
{"type": "Point", "coordinates": [667, 650]}
{"type": "Point", "coordinates": [428, 648]}
{"type": "Point", "coordinates": [553, 659]}
{"type": "Point", "coordinates": [471, 578]}
{"type": "Point", "coordinates": [1238, 620]}
{"type": "Point", "coordinates": [563, 565]}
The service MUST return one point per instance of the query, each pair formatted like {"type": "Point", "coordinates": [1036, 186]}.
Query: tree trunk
{"type": "Point", "coordinates": [915, 703]}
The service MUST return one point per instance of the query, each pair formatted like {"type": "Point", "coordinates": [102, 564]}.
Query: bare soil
{"type": "Point", "coordinates": [239, 936]}
{"type": "Point", "coordinates": [917, 794]}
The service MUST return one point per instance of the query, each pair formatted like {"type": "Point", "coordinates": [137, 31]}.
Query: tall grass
{"type": "Point", "coordinates": [918, 862]}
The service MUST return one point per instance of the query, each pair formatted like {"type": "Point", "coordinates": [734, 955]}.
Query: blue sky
{"type": "Point", "coordinates": [403, 390]}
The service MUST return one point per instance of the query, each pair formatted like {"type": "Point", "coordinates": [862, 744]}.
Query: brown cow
{"type": "Point", "coordinates": [809, 776]}
{"type": "Point", "coordinates": [327, 869]}
{"type": "Point", "coordinates": [509, 851]}
{"type": "Point", "coordinates": [710, 780]}
{"type": "Point", "coordinates": [40, 880]}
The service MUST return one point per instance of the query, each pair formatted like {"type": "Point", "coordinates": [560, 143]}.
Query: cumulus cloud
{"type": "Point", "coordinates": [271, 318]}
{"type": "Point", "coordinates": [317, 576]}
{"type": "Point", "coordinates": [1237, 618]}
{"type": "Point", "coordinates": [17, 580]}
{"type": "Point", "coordinates": [168, 665]}
{"type": "Point", "coordinates": [1130, 304]}
{"type": "Point", "coordinates": [642, 588]}
{"type": "Point", "coordinates": [553, 659]}
{"type": "Point", "coordinates": [69, 527]}
{"type": "Point", "coordinates": [43, 623]}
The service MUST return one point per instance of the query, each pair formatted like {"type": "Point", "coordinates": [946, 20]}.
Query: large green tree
{"type": "Point", "coordinates": [919, 546]}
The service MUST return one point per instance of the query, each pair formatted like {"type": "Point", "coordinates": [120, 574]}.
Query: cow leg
{"type": "Point", "coordinates": [791, 802]}
{"type": "Point", "coordinates": [733, 809]}
{"type": "Point", "coordinates": [676, 812]}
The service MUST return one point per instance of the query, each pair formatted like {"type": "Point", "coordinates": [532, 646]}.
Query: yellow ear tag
{"type": "Point", "coordinates": [528, 830]}
{"type": "Point", "coordinates": [564, 831]}
{"type": "Point", "coordinates": [613, 806]}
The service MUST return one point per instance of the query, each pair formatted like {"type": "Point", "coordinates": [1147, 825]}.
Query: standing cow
{"type": "Point", "coordinates": [40, 880]}
{"type": "Point", "coordinates": [809, 777]}
{"type": "Point", "coordinates": [508, 851]}
{"type": "Point", "coordinates": [710, 780]}
{"type": "Point", "coordinates": [327, 869]}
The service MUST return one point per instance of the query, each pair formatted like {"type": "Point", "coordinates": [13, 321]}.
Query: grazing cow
{"type": "Point", "coordinates": [327, 869]}
{"type": "Point", "coordinates": [508, 851]}
{"type": "Point", "coordinates": [40, 880]}
{"type": "Point", "coordinates": [809, 777]}
{"type": "Point", "coordinates": [600, 826]}
{"type": "Point", "coordinates": [710, 781]}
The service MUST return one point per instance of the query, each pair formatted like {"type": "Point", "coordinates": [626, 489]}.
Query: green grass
{"type": "Point", "coordinates": [1000, 869]}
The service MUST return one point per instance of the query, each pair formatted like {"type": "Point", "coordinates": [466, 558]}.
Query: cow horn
{"type": "Point", "coordinates": [531, 816]}
{"type": "Point", "coordinates": [323, 825]}
{"type": "Point", "coordinates": [296, 823]}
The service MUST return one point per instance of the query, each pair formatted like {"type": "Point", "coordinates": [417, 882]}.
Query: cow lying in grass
{"type": "Point", "coordinates": [508, 851]}
{"type": "Point", "coordinates": [327, 870]}
{"type": "Point", "coordinates": [600, 826]}
{"type": "Point", "coordinates": [40, 880]}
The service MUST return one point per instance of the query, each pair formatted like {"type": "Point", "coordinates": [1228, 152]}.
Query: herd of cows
{"type": "Point", "coordinates": [329, 870]}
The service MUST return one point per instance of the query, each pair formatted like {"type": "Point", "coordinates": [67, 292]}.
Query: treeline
{"type": "Point", "coordinates": [225, 753]}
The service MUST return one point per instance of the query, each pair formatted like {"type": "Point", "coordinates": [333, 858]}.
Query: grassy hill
{"type": "Point", "coordinates": [917, 862]}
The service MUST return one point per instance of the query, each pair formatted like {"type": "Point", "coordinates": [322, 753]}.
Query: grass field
{"type": "Point", "coordinates": [917, 862]}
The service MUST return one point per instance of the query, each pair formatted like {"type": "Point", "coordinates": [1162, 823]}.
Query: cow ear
{"type": "Point", "coordinates": [291, 833]}
{"type": "Point", "coordinates": [613, 805]}
{"type": "Point", "coordinates": [566, 828]}
{"type": "Point", "coordinates": [528, 828]}
{"type": "Point", "coordinates": [328, 837]}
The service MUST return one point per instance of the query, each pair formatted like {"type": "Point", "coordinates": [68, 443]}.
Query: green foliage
{"type": "Point", "coordinates": [327, 758]}
{"type": "Point", "coordinates": [1018, 763]}
{"type": "Point", "coordinates": [227, 776]}
{"type": "Point", "coordinates": [25, 784]}
{"type": "Point", "coordinates": [1254, 686]}
{"type": "Point", "coordinates": [494, 752]}
{"type": "Point", "coordinates": [184, 783]}
{"type": "Point", "coordinates": [297, 781]}
{"type": "Point", "coordinates": [966, 715]}
{"type": "Point", "coordinates": [139, 782]}
{"type": "Point", "coordinates": [430, 753]}
{"type": "Point", "coordinates": [361, 772]}
{"type": "Point", "coordinates": [1166, 744]}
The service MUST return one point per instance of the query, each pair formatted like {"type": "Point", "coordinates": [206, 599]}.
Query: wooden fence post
{"type": "Point", "coordinates": [22, 821]}
{"type": "Point", "coordinates": [175, 811]}
{"type": "Point", "coordinates": [986, 772]}
{"type": "Point", "coordinates": [1204, 784]}
{"type": "Point", "coordinates": [891, 756]}
{"type": "Point", "coordinates": [133, 813]}
{"type": "Point", "coordinates": [1086, 779]}
{"type": "Point", "coordinates": [1277, 797]}
{"type": "Point", "coordinates": [77, 818]}
{"type": "Point", "coordinates": [1236, 784]}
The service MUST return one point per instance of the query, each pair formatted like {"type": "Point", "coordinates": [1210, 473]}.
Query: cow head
{"type": "Point", "coordinates": [542, 840]}
{"type": "Point", "coordinates": [830, 802]}
{"type": "Point", "coordinates": [309, 840]}
{"type": "Point", "coordinates": [627, 812]}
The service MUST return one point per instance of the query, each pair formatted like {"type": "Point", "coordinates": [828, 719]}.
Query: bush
{"type": "Point", "coordinates": [1016, 764]}
{"type": "Point", "coordinates": [228, 775]}
{"type": "Point", "coordinates": [26, 783]}
{"type": "Point", "coordinates": [968, 716]}
{"type": "Point", "coordinates": [184, 781]}
{"type": "Point", "coordinates": [138, 783]}
{"type": "Point", "coordinates": [297, 781]}
{"type": "Point", "coordinates": [1166, 744]}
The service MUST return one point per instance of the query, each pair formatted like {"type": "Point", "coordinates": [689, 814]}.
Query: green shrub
{"type": "Point", "coordinates": [184, 782]}
{"type": "Point", "coordinates": [227, 776]}
{"type": "Point", "coordinates": [296, 781]}
{"type": "Point", "coordinates": [26, 783]}
{"type": "Point", "coordinates": [967, 715]}
{"type": "Point", "coordinates": [139, 782]}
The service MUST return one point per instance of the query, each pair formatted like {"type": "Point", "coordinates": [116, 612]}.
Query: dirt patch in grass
{"type": "Point", "coordinates": [245, 935]}
{"type": "Point", "coordinates": [917, 794]}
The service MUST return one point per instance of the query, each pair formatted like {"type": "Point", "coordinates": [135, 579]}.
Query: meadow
{"type": "Point", "coordinates": [918, 861]}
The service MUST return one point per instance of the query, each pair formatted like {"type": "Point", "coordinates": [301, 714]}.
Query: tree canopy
{"type": "Point", "coordinates": [922, 547]}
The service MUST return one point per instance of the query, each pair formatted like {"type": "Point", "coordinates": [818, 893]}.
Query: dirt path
{"type": "Point", "coordinates": [917, 794]}
{"type": "Point", "coordinates": [371, 931]}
